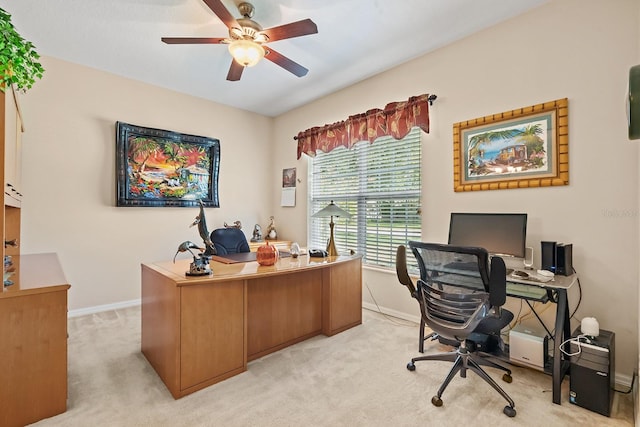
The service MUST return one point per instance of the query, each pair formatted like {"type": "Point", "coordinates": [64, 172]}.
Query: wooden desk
{"type": "Point", "coordinates": [197, 331]}
{"type": "Point", "coordinates": [33, 341]}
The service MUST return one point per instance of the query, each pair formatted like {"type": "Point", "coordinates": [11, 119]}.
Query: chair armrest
{"type": "Point", "coordinates": [402, 272]}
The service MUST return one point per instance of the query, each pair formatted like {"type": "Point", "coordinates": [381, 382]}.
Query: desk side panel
{"type": "Point", "coordinates": [342, 288]}
{"type": "Point", "coordinates": [283, 310]}
{"type": "Point", "coordinates": [161, 327]}
{"type": "Point", "coordinates": [212, 334]}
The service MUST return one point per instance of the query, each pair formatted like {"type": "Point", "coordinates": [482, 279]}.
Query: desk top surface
{"type": "Point", "coordinates": [244, 270]}
{"type": "Point", "coordinates": [35, 273]}
{"type": "Point", "coordinates": [558, 282]}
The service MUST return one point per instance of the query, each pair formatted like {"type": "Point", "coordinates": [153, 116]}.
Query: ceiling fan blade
{"type": "Point", "coordinates": [286, 63]}
{"type": "Point", "coordinates": [235, 71]}
{"type": "Point", "coordinates": [193, 40]}
{"type": "Point", "coordinates": [221, 12]}
{"type": "Point", "coordinates": [294, 29]}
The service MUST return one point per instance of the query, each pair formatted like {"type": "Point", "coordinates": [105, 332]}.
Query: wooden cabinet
{"type": "Point", "coordinates": [33, 341]}
{"type": "Point", "coordinates": [10, 150]}
{"type": "Point", "coordinates": [282, 245]}
{"type": "Point", "coordinates": [33, 309]}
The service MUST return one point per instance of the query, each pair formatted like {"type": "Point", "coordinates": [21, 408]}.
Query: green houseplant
{"type": "Point", "coordinates": [19, 64]}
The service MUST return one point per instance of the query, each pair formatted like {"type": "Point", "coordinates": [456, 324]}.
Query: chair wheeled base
{"type": "Point", "coordinates": [464, 360]}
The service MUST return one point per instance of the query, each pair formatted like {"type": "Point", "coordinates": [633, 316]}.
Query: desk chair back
{"type": "Point", "coordinates": [453, 286]}
{"type": "Point", "coordinates": [460, 296]}
{"type": "Point", "coordinates": [229, 241]}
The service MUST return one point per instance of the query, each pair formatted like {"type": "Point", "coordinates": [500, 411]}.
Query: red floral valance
{"type": "Point", "coordinates": [395, 120]}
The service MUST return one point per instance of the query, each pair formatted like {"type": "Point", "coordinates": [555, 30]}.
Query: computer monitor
{"type": "Point", "coordinates": [502, 234]}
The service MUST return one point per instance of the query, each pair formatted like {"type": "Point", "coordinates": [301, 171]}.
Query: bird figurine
{"type": "Point", "coordinates": [187, 246]}
{"type": "Point", "coordinates": [201, 222]}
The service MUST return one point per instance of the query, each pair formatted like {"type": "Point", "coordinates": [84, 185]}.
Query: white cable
{"type": "Point", "coordinates": [575, 340]}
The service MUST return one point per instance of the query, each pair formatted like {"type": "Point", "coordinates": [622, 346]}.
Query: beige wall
{"type": "Point", "coordinates": [69, 177]}
{"type": "Point", "coordinates": [578, 49]}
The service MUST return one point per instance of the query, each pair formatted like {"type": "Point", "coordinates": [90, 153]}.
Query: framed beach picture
{"type": "Point", "coordinates": [157, 167]}
{"type": "Point", "coordinates": [527, 147]}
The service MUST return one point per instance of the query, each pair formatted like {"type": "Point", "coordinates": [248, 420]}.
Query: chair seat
{"type": "Point", "coordinates": [491, 324]}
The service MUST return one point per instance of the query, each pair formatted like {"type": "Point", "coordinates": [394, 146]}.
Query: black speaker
{"type": "Point", "coordinates": [564, 259]}
{"type": "Point", "coordinates": [548, 258]}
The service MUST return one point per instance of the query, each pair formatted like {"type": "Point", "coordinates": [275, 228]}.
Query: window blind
{"type": "Point", "coordinates": [379, 184]}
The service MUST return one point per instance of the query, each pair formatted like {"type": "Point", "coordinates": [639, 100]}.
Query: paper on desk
{"type": "Point", "coordinates": [533, 279]}
{"type": "Point", "coordinates": [288, 196]}
{"type": "Point", "coordinates": [541, 278]}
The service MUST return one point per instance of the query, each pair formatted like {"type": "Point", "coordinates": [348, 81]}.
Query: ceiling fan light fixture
{"type": "Point", "coordinates": [246, 52]}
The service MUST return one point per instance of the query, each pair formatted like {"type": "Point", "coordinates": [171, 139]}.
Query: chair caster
{"type": "Point", "coordinates": [507, 378]}
{"type": "Point", "coordinates": [508, 411]}
{"type": "Point", "coordinates": [411, 366]}
{"type": "Point", "coordinates": [438, 402]}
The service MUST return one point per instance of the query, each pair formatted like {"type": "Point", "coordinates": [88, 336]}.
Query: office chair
{"type": "Point", "coordinates": [229, 241]}
{"type": "Point", "coordinates": [461, 300]}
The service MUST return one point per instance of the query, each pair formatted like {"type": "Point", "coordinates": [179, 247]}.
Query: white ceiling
{"type": "Point", "coordinates": [356, 39]}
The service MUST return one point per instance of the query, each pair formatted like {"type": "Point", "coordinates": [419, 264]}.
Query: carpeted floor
{"type": "Point", "coordinates": [356, 378]}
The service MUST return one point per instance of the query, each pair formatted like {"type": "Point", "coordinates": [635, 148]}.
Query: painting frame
{"type": "Point", "coordinates": [529, 145]}
{"type": "Point", "coordinates": [289, 177]}
{"type": "Point", "coordinates": [162, 168]}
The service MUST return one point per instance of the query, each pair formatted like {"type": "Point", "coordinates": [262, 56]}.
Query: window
{"type": "Point", "coordinates": [379, 185]}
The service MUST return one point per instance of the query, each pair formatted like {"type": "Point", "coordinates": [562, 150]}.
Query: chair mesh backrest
{"type": "Point", "coordinates": [454, 287]}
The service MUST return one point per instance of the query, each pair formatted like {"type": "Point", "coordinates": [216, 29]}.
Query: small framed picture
{"type": "Point", "coordinates": [288, 177]}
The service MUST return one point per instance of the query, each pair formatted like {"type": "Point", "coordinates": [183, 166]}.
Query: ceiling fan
{"type": "Point", "coordinates": [247, 40]}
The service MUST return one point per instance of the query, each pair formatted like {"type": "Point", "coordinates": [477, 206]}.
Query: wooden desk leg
{"type": "Point", "coordinates": [563, 332]}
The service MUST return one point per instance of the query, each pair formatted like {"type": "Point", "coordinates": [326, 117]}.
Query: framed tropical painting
{"type": "Point", "coordinates": [527, 147]}
{"type": "Point", "coordinates": [157, 167]}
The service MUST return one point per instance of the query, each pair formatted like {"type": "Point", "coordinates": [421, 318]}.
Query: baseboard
{"type": "Point", "coordinates": [624, 380]}
{"type": "Point", "coordinates": [391, 312]}
{"type": "Point", "coordinates": [105, 307]}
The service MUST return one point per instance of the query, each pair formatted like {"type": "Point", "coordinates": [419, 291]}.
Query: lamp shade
{"type": "Point", "coordinates": [246, 52]}
{"type": "Point", "coordinates": [331, 210]}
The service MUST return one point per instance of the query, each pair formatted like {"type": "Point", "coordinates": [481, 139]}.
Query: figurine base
{"type": "Point", "coordinates": [199, 266]}
{"type": "Point", "coordinates": [204, 273]}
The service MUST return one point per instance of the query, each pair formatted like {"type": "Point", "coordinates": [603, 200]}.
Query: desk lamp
{"type": "Point", "coordinates": [331, 210]}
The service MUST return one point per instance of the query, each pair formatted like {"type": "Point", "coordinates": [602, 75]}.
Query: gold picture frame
{"type": "Point", "coordinates": [523, 148]}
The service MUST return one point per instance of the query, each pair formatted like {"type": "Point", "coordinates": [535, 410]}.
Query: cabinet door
{"type": "Point", "coordinates": [211, 332]}
{"type": "Point", "coordinates": [33, 345]}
